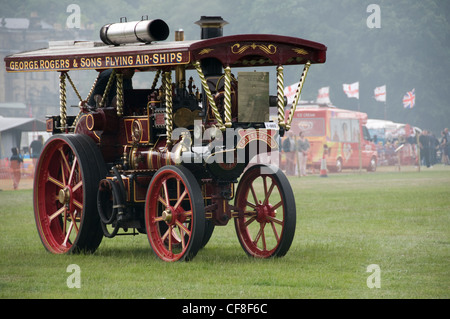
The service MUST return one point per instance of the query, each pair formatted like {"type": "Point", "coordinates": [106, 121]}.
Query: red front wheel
{"type": "Point", "coordinates": [65, 187]}
{"type": "Point", "coordinates": [174, 214]}
{"type": "Point", "coordinates": [265, 225]}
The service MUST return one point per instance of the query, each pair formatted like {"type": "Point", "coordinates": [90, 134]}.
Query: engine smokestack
{"type": "Point", "coordinates": [211, 26]}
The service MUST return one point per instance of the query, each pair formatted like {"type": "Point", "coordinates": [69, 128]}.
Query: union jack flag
{"type": "Point", "coordinates": [409, 99]}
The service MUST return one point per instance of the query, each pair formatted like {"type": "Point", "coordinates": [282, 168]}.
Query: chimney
{"type": "Point", "coordinates": [212, 27]}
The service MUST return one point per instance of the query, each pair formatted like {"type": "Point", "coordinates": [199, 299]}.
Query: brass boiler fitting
{"type": "Point", "coordinates": [153, 158]}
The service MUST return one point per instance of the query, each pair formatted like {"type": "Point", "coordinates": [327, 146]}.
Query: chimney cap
{"type": "Point", "coordinates": [211, 22]}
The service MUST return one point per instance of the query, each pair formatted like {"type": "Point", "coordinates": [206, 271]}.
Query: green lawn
{"type": "Point", "coordinates": [346, 222]}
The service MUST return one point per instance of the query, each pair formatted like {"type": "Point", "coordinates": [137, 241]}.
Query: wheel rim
{"type": "Point", "coordinates": [266, 222]}
{"type": "Point", "coordinates": [59, 197]}
{"type": "Point", "coordinates": [173, 214]}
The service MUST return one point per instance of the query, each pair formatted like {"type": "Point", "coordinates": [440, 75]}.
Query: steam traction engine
{"type": "Point", "coordinates": [164, 161]}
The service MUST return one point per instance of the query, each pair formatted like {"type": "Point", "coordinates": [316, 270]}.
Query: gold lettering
{"type": "Point", "coordinates": [156, 58]}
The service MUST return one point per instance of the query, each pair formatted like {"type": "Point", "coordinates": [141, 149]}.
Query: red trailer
{"type": "Point", "coordinates": [164, 161]}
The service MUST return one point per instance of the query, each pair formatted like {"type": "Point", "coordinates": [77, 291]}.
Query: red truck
{"type": "Point", "coordinates": [347, 140]}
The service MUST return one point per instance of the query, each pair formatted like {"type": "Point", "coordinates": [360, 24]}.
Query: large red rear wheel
{"type": "Point", "coordinates": [175, 214]}
{"type": "Point", "coordinates": [265, 225]}
{"type": "Point", "coordinates": [65, 192]}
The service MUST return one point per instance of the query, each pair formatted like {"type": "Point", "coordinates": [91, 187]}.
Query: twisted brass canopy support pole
{"type": "Point", "coordinates": [297, 95]}
{"type": "Point", "coordinates": [62, 101]}
{"type": "Point", "coordinates": [107, 88]}
{"type": "Point", "coordinates": [119, 93]}
{"type": "Point", "coordinates": [228, 96]}
{"type": "Point", "coordinates": [167, 81]}
{"type": "Point", "coordinates": [155, 80]}
{"type": "Point", "coordinates": [211, 101]}
{"type": "Point", "coordinates": [280, 96]}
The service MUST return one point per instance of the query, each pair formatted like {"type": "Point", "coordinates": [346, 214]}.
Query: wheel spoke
{"type": "Point", "coordinates": [78, 204]}
{"type": "Point", "coordinates": [64, 159]}
{"type": "Point", "coordinates": [254, 194]}
{"type": "Point", "coordinates": [63, 175]}
{"type": "Point", "coordinates": [268, 193]}
{"type": "Point", "coordinates": [260, 235]}
{"type": "Point", "coordinates": [251, 205]}
{"type": "Point", "coordinates": [162, 201]}
{"type": "Point", "coordinates": [188, 214]}
{"type": "Point", "coordinates": [74, 221]}
{"type": "Point", "coordinates": [274, 220]}
{"type": "Point", "coordinates": [264, 178]}
{"type": "Point", "coordinates": [66, 239]}
{"type": "Point", "coordinates": [182, 227]}
{"type": "Point", "coordinates": [183, 242]}
{"type": "Point", "coordinates": [57, 213]}
{"type": "Point", "coordinates": [249, 221]}
{"type": "Point", "coordinates": [180, 199]}
{"type": "Point", "coordinates": [72, 170]}
{"type": "Point", "coordinates": [77, 186]}
{"type": "Point", "coordinates": [166, 192]}
{"type": "Point", "coordinates": [275, 232]}
{"type": "Point", "coordinates": [163, 238]}
{"type": "Point", "coordinates": [276, 206]}
{"type": "Point", "coordinates": [55, 181]}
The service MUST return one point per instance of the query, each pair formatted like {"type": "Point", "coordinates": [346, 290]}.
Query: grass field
{"type": "Point", "coordinates": [399, 221]}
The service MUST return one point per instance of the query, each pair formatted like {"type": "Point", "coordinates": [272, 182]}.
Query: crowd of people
{"type": "Point", "coordinates": [405, 150]}
{"type": "Point", "coordinates": [296, 149]}
{"type": "Point", "coordinates": [433, 150]}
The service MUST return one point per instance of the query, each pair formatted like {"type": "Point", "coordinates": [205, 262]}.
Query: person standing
{"type": "Point", "coordinates": [424, 144]}
{"type": "Point", "coordinates": [447, 135]}
{"type": "Point", "coordinates": [444, 148]}
{"type": "Point", "coordinates": [302, 149]}
{"type": "Point", "coordinates": [36, 148]}
{"type": "Point", "coordinates": [16, 166]}
{"type": "Point", "coordinates": [289, 150]}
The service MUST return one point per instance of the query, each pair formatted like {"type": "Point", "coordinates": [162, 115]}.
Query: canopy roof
{"type": "Point", "coordinates": [21, 123]}
{"type": "Point", "coordinates": [247, 50]}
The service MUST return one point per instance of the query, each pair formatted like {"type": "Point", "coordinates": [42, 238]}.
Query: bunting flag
{"type": "Point", "coordinates": [352, 90]}
{"type": "Point", "coordinates": [409, 99]}
{"type": "Point", "coordinates": [380, 93]}
{"type": "Point", "coordinates": [324, 96]}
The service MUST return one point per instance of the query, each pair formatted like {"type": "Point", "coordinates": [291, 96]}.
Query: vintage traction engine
{"type": "Point", "coordinates": [164, 161]}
